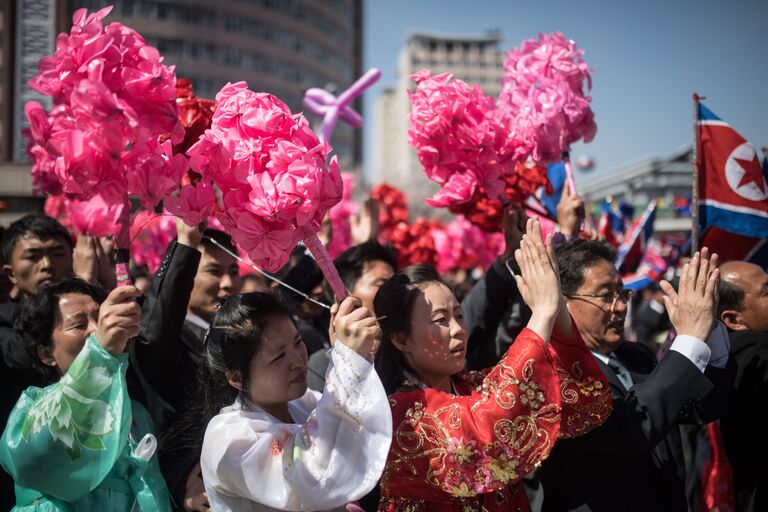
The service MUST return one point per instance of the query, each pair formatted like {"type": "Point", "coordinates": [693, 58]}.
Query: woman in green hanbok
{"type": "Point", "coordinates": [81, 444]}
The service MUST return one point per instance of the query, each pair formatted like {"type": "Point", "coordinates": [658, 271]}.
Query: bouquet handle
{"type": "Point", "coordinates": [323, 259]}
{"type": "Point", "coordinates": [123, 245]}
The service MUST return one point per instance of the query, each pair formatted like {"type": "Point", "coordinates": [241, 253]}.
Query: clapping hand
{"type": "Point", "coordinates": [539, 282]}
{"type": "Point", "coordinates": [693, 308]}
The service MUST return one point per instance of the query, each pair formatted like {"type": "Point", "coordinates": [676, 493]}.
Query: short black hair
{"type": "Point", "coordinates": [38, 224]}
{"type": "Point", "coordinates": [731, 297]}
{"type": "Point", "coordinates": [35, 318]}
{"type": "Point", "coordinates": [575, 257]}
{"type": "Point", "coordinates": [351, 263]}
{"type": "Point", "coordinates": [219, 237]}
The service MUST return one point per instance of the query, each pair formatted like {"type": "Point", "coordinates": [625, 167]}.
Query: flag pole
{"type": "Point", "coordinates": [695, 172]}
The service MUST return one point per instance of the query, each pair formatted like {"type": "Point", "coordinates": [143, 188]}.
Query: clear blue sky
{"type": "Point", "coordinates": [648, 57]}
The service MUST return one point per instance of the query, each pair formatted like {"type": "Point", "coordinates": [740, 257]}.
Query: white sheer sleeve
{"type": "Point", "coordinates": [335, 457]}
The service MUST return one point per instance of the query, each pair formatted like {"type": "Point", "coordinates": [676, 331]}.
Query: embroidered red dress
{"type": "Point", "coordinates": [468, 452]}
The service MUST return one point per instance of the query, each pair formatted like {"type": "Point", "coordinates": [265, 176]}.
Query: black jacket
{"type": "Point", "coordinates": [634, 460]}
{"type": "Point", "coordinates": [167, 365]}
{"type": "Point", "coordinates": [744, 429]}
{"type": "Point", "coordinates": [494, 314]}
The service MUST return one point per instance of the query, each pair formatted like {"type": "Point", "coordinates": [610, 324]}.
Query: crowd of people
{"type": "Point", "coordinates": [207, 390]}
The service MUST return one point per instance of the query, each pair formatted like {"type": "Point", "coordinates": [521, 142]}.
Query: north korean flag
{"type": "Point", "coordinates": [733, 194]}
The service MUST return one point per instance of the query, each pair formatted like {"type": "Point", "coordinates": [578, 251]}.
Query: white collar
{"type": "Point", "coordinates": [602, 357]}
{"type": "Point", "coordinates": [191, 317]}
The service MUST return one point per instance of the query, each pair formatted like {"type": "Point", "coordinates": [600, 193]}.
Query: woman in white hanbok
{"type": "Point", "coordinates": [277, 445]}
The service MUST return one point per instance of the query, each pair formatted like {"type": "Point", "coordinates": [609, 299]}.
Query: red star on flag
{"type": "Point", "coordinates": [752, 173]}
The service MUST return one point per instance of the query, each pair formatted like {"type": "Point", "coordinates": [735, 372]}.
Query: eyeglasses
{"type": "Point", "coordinates": [608, 298]}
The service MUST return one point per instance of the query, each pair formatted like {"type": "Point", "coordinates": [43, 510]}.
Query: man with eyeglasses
{"type": "Point", "coordinates": [634, 461]}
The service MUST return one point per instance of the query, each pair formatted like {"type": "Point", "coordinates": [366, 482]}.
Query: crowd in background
{"type": "Point", "coordinates": [538, 383]}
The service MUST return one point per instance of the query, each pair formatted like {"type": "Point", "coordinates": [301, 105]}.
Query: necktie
{"type": "Point", "coordinates": [621, 371]}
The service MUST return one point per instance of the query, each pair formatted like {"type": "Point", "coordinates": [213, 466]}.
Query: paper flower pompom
{"type": "Point", "coordinates": [114, 101]}
{"type": "Point", "coordinates": [463, 246]}
{"type": "Point", "coordinates": [56, 207]}
{"type": "Point", "coordinates": [414, 243]}
{"type": "Point", "coordinates": [462, 141]}
{"type": "Point", "coordinates": [486, 212]}
{"type": "Point", "coordinates": [543, 92]}
{"type": "Point", "coordinates": [195, 114]}
{"type": "Point", "coordinates": [151, 234]}
{"type": "Point", "coordinates": [193, 204]}
{"type": "Point", "coordinates": [99, 215]}
{"type": "Point", "coordinates": [271, 169]}
{"type": "Point", "coordinates": [393, 208]}
{"type": "Point", "coordinates": [157, 174]}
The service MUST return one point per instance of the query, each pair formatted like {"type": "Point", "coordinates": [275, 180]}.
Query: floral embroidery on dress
{"type": "Point", "coordinates": [71, 412]}
{"type": "Point", "coordinates": [531, 394]}
{"type": "Point", "coordinates": [469, 452]}
{"type": "Point", "coordinates": [586, 400]}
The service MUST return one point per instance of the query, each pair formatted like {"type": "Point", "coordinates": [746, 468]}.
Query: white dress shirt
{"type": "Point", "coordinates": [713, 352]}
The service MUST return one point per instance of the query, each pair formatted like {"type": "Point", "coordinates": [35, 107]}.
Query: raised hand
{"type": "Point", "coordinates": [119, 318]}
{"type": "Point", "coordinates": [365, 226]}
{"type": "Point", "coordinates": [355, 326]}
{"type": "Point", "coordinates": [105, 253]}
{"type": "Point", "coordinates": [512, 225]}
{"type": "Point", "coordinates": [693, 308]}
{"type": "Point", "coordinates": [539, 282]}
{"type": "Point", "coordinates": [85, 262]}
{"type": "Point", "coordinates": [189, 236]}
{"type": "Point", "coordinates": [570, 212]}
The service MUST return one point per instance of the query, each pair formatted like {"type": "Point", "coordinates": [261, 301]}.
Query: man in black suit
{"type": "Point", "coordinates": [743, 308]}
{"type": "Point", "coordinates": [195, 275]}
{"type": "Point", "coordinates": [363, 268]}
{"type": "Point", "coordinates": [634, 460]}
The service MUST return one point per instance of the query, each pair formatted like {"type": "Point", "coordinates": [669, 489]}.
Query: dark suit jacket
{"type": "Point", "coordinates": [649, 323]}
{"type": "Point", "coordinates": [167, 366]}
{"type": "Point", "coordinates": [634, 460]}
{"type": "Point", "coordinates": [494, 314]}
{"type": "Point", "coordinates": [744, 429]}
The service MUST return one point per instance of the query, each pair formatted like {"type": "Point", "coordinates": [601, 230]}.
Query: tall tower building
{"type": "Point", "coordinates": [473, 59]}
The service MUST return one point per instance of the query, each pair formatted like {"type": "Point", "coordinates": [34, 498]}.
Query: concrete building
{"type": "Point", "coordinates": [473, 59]}
{"type": "Point", "coordinates": [277, 46]}
{"type": "Point", "coordinates": [663, 178]}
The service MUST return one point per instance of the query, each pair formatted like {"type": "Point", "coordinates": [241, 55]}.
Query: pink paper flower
{"type": "Point", "coordinates": [157, 174]}
{"type": "Point", "coordinates": [97, 216]}
{"type": "Point", "coordinates": [193, 204]}
{"type": "Point", "coordinates": [151, 233]}
{"type": "Point", "coordinates": [114, 103]}
{"type": "Point", "coordinates": [463, 246]}
{"type": "Point", "coordinates": [271, 169]}
{"type": "Point", "coordinates": [462, 141]}
{"type": "Point", "coordinates": [543, 93]}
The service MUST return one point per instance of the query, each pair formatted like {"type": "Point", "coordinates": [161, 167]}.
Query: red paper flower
{"type": "Point", "coordinates": [486, 212]}
{"type": "Point", "coordinates": [393, 208]}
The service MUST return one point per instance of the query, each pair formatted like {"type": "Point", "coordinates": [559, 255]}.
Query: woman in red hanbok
{"type": "Point", "coordinates": [463, 441]}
